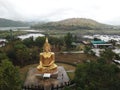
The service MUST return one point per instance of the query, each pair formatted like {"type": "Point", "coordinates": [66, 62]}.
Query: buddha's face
{"type": "Point", "coordinates": [47, 49]}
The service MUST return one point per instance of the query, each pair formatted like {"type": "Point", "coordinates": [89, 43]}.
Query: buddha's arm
{"type": "Point", "coordinates": [53, 59]}
{"type": "Point", "coordinates": [40, 59]}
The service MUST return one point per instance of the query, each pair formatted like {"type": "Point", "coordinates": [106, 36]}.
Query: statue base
{"type": "Point", "coordinates": [52, 71]}
{"type": "Point", "coordinates": [56, 78]}
{"type": "Point", "coordinates": [47, 75]}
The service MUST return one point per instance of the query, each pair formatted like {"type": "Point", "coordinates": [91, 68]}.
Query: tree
{"type": "Point", "coordinates": [22, 57]}
{"type": "Point", "coordinates": [97, 76]}
{"type": "Point", "coordinates": [56, 43]}
{"type": "Point", "coordinates": [39, 41]}
{"type": "Point", "coordinates": [113, 42]}
{"type": "Point", "coordinates": [10, 52]}
{"type": "Point", "coordinates": [9, 76]}
{"type": "Point", "coordinates": [34, 55]}
{"type": "Point", "coordinates": [68, 40]}
{"type": "Point", "coordinates": [67, 88]}
{"type": "Point", "coordinates": [22, 54]}
{"type": "Point", "coordinates": [29, 42]}
{"type": "Point", "coordinates": [97, 39]}
{"type": "Point", "coordinates": [88, 51]}
{"type": "Point", "coordinates": [108, 55]}
{"type": "Point", "coordinates": [3, 56]}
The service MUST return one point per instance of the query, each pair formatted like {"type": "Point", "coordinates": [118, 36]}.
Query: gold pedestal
{"type": "Point", "coordinates": [47, 70]}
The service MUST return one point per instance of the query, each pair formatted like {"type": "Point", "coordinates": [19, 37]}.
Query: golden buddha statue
{"type": "Point", "coordinates": [47, 59]}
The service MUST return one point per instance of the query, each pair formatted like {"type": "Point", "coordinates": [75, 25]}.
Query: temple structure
{"type": "Point", "coordinates": [47, 74]}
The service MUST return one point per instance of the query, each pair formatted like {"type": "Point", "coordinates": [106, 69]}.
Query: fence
{"type": "Point", "coordinates": [40, 87]}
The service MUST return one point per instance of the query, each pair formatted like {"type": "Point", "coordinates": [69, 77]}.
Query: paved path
{"type": "Point", "coordinates": [62, 75]}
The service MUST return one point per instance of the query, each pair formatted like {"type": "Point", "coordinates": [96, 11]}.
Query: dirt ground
{"type": "Point", "coordinates": [73, 57]}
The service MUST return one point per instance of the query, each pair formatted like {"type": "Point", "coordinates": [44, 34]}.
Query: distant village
{"type": "Point", "coordinates": [100, 42]}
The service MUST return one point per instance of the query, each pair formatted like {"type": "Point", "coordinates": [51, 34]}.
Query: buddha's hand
{"type": "Point", "coordinates": [40, 63]}
{"type": "Point", "coordinates": [51, 63]}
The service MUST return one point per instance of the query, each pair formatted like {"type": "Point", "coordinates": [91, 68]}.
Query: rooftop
{"type": "Point", "coordinates": [98, 42]}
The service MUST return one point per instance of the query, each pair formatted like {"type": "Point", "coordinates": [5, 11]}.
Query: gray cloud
{"type": "Point", "coordinates": [8, 11]}
{"type": "Point", "coordinates": [105, 11]}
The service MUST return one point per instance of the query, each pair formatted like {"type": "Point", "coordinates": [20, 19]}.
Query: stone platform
{"type": "Point", "coordinates": [33, 79]}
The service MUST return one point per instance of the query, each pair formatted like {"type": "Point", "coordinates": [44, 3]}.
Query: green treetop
{"type": "Point", "coordinates": [9, 76]}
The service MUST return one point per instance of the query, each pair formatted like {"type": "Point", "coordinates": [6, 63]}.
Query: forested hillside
{"type": "Point", "coordinates": [73, 24]}
{"type": "Point", "coordinates": [11, 23]}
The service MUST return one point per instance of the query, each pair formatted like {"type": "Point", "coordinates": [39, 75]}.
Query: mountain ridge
{"type": "Point", "coordinates": [11, 23]}
{"type": "Point", "coordinates": [72, 24]}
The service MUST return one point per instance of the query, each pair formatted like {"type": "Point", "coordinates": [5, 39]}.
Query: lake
{"type": "Point", "coordinates": [34, 35]}
{"type": "Point", "coordinates": [13, 28]}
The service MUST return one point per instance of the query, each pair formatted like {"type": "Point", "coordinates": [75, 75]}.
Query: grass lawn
{"type": "Point", "coordinates": [71, 75]}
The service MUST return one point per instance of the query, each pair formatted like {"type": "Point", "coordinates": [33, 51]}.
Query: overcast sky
{"type": "Point", "coordinates": [105, 11]}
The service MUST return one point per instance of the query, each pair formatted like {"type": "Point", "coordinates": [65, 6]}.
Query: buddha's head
{"type": "Point", "coordinates": [46, 47]}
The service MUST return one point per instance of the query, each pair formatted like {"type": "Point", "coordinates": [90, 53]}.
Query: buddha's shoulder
{"type": "Point", "coordinates": [52, 53]}
{"type": "Point", "coordinates": [49, 52]}
{"type": "Point", "coordinates": [41, 53]}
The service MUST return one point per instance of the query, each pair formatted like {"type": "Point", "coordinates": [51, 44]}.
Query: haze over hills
{"type": "Point", "coordinates": [67, 24]}
{"type": "Point", "coordinates": [12, 23]}
{"type": "Point", "coordinates": [73, 24]}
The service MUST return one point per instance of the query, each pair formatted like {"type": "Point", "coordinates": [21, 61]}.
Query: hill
{"type": "Point", "coordinates": [73, 24]}
{"type": "Point", "coordinates": [11, 23]}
